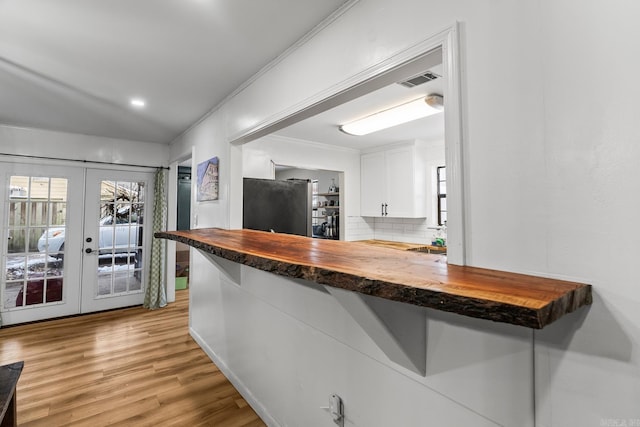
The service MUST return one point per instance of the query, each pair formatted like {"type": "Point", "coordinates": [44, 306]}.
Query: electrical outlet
{"type": "Point", "coordinates": [336, 409]}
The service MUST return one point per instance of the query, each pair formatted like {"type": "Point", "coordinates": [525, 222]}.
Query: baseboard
{"type": "Point", "coordinates": [233, 379]}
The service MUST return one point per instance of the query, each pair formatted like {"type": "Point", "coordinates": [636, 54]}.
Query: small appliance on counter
{"type": "Point", "coordinates": [332, 226]}
{"type": "Point", "coordinates": [329, 229]}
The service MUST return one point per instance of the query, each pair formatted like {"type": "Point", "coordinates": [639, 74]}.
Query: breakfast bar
{"type": "Point", "coordinates": [410, 277]}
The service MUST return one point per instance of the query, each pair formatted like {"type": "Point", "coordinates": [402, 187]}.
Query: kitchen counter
{"type": "Point", "coordinates": [416, 247]}
{"type": "Point", "coordinates": [414, 278]}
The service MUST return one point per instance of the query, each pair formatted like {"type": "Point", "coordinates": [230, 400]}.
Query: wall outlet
{"type": "Point", "coordinates": [336, 409]}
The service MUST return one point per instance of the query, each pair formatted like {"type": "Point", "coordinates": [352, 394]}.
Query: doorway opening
{"type": "Point", "coordinates": [326, 198]}
{"type": "Point", "coordinates": [183, 222]}
{"type": "Point", "coordinates": [442, 48]}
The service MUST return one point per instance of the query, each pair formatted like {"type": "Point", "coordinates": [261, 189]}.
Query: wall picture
{"type": "Point", "coordinates": [208, 180]}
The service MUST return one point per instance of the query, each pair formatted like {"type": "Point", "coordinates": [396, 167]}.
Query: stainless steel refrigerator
{"type": "Point", "coordinates": [282, 206]}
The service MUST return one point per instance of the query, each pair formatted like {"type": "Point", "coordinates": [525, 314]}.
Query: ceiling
{"type": "Point", "coordinates": [323, 127]}
{"type": "Point", "coordinates": [74, 65]}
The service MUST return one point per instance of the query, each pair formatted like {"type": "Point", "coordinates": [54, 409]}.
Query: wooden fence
{"type": "Point", "coordinates": [29, 219]}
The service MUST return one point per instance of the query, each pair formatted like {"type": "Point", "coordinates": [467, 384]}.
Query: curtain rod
{"type": "Point", "coordinates": [82, 161]}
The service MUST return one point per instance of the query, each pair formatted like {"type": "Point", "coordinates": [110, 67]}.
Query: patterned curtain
{"type": "Point", "coordinates": [155, 295]}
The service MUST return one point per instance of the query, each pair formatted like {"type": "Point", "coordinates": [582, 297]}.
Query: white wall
{"type": "Point", "coordinates": [590, 185]}
{"type": "Point", "coordinates": [550, 159]}
{"type": "Point", "coordinates": [71, 146]}
{"type": "Point", "coordinates": [324, 177]}
{"type": "Point", "coordinates": [290, 345]}
{"type": "Point", "coordinates": [203, 142]}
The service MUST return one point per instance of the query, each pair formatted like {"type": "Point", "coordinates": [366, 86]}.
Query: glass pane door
{"type": "Point", "coordinates": [114, 239]}
{"type": "Point", "coordinates": [120, 237]}
{"type": "Point", "coordinates": [37, 227]}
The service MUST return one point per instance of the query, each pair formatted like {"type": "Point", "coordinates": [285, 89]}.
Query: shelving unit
{"type": "Point", "coordinates": [328, 211]}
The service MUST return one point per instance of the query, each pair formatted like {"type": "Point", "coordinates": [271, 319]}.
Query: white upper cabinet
{"type": "Point", "coordinates": [393, 183]}
{"type": "Point", "coordinates": [373, 187]}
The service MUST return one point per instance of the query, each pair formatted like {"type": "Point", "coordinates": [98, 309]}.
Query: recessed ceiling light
{"type": "Point", "coordinates": [137, 102]}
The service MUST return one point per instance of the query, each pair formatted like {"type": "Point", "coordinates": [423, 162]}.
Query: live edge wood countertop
{"type": "Point", "coordinates": [414, 278]}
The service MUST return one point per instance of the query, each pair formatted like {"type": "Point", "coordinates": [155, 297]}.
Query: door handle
{"type": "Point", "coordinates": [382, 209]}
{"type": "Point", "coordinates": [385, 210]}
{"type": "Point", "coordinates": [88, 250]}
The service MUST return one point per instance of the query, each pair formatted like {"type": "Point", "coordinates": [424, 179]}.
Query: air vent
{"type": "Point", "coordinates": [418, 80]}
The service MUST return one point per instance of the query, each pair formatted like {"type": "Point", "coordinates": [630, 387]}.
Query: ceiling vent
{"type": "Point", "coordinates": [418, 80]}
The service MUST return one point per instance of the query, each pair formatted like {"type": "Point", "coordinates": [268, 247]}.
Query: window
{"type": "Point", "coordinates": [34, 260]}
{"type": "Point", "coordinates": [120, 265]}
{"type": "Point", "coordinates": [441, 174]}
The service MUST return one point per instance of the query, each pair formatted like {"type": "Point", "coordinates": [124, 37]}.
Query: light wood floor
{"type": "Point", "coordinates": [126, 367]}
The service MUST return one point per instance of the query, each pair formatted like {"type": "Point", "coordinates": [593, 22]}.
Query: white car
{"type": "Point", "coordinates": [125, 234]}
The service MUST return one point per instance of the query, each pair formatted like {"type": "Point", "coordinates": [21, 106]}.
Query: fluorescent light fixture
{"type": "Point", "coordinates": [138, 102]}
{"type": "Point", "coordinates": [413, 110]}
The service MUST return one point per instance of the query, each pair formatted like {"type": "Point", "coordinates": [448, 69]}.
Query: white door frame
{"type": "Point", "coordinates": [172, 219]}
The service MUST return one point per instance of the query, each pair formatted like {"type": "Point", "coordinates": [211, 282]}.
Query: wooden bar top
{"type": "Point", "coordinates": [417, 247]}
{"type": "Point", "coordinates": [394, 245]}
{"type": "Point", "coordinates": [406, 276]}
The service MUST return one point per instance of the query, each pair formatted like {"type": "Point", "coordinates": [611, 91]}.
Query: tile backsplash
{"type": "Point", "coordinates": [409, 230]}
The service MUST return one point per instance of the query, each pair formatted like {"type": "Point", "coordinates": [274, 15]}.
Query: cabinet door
{"type": "Point", "coordinates": [400, 165]}
{"type": "Point", "coordinates": [373, 184]}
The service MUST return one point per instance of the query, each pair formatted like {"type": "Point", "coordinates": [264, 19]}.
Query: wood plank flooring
{"type": "Point", "coordinates": [129, 367]}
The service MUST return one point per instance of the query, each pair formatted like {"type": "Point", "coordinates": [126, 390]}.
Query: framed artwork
{"type": "Point", "coordinates": [207, 174]}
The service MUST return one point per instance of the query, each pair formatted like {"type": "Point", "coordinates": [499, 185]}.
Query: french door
{"type": "Point", "coordinates": [116, 236]}
{"type": "Point", "coordinates": [74, 240]}
{"type": "Point", "coordinates": [42, 205]}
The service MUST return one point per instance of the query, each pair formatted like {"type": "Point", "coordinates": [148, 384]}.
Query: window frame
{"type": "Point", "coordinates": [441, 177]}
